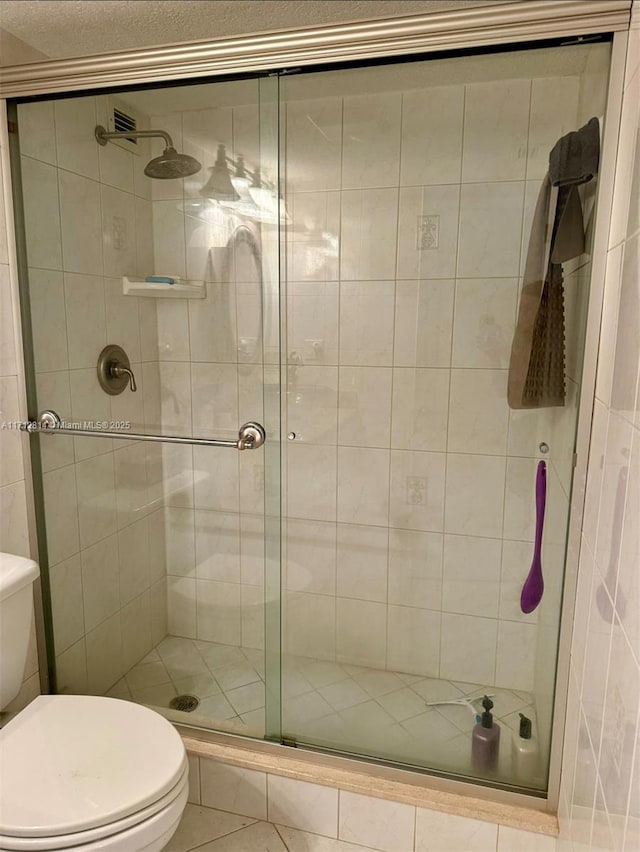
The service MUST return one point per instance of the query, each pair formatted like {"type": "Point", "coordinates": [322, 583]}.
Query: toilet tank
{"type": "Point", "coordinates": [17, 575]}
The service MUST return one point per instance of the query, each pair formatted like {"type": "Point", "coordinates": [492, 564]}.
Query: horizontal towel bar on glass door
{"type": "Point", "coordinates": [250, 437]}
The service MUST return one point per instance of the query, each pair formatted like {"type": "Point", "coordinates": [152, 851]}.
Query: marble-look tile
{"type": "Point", "coordinates": [478, 413]}
{"type": "Point", "coordinates": [438, 831]}
{"type": "Point", "coordinates": [428, 231]}
{"type": "Point", "coordinates": [371, 140]}
{"type": "Point", "coordinates": [490, 229]}
{"type": "Point", "coordinates": [364, 406]}
{"type": "Point", "coordinates": [432, 150]}
{"type": "Point", "coordinates": [423, 323]}
{"type": "Point", "coordinates": [201, 825]}
{"type": "Point", "coordinates": [299, 804]}
{"type": "Point", "coordinates": [496, 122]}
{"type": "Point", "coordinates": [474, 495]}
{"type": "Point", "coordinates": [366, 323]}
{"type": "Point", "coordinates": [360, 633]}
{"type": "Point", "coordinates": [362, 562]}
{"type": "Point", "coordinates": [415, 568]}
{"type": "Point", "coordinates": [369, 225]}
{"type": "Point", "coordinates": [363, 486]}
{"type": "Point", "coordinates": [420, 409]}
{"type": "Point", "coordinates": [484, 321]}
{"type": "Point", "coordinates": [417, 490]}
{"type": "Point", "coordinates": [378, 823]}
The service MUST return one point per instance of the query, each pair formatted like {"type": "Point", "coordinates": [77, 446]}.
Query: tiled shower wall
{"type": "Point", "coordinates": [600, 795]}
{"type": "Point", "coordinates": [88, 217]}
{"type": "Point", "coordinates": [410, 491]}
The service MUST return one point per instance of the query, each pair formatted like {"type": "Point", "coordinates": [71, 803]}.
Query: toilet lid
{"type": "Point", "coordinates": [69, 763]}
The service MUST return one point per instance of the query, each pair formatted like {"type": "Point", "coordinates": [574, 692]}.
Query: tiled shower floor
{"type": "Point", "coordinates": [339, 706]}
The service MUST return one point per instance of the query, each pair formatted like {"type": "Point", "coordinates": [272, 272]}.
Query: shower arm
{"type": "Point", "coordinates": [103, 136]}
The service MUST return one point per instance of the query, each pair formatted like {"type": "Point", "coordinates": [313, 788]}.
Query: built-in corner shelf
{"type": "Point", "coordinates": [154, 290]}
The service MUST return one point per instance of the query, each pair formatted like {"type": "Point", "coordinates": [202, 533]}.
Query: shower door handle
{"type": "Point", "coordinates": [250, 436]}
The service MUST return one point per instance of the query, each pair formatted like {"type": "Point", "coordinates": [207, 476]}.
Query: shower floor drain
{"type": "Point", "coordinates": [185, 703]}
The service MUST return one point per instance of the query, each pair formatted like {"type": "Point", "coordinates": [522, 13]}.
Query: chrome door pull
{"type": "Point", "coordinates": [250, 436]}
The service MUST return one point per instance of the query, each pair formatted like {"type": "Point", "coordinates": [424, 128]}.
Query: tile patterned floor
{"type": "Point", "coordinates": [353, 708]}
{"type": "Point", "coordinates": [210, 830]}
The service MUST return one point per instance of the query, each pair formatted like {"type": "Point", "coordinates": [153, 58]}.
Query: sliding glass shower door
{"type": "Point", "coordinates": [151, 304]}
{"type": "Point", "coordinates": [410, 482]}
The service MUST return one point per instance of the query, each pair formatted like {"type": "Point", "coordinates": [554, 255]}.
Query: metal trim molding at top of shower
{"type": "Point", "coordinates": [460, 28]}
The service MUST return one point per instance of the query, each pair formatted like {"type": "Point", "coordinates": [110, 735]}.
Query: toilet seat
{"type": "Point", "coordinates": [75, 769]}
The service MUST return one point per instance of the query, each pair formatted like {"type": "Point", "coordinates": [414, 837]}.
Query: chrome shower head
{"type": "Point", "coordinates": [169, 165]}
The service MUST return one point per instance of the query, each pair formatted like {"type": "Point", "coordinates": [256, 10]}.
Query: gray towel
{"type": "Point", "coordinates": [574, 158]}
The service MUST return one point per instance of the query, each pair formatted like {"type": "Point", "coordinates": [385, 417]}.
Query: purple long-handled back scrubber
{"type": "Point", "coordinates": [534, 584]}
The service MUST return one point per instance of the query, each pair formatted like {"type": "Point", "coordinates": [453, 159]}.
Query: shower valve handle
{"type": "Point", "coordinates": [118, 370]}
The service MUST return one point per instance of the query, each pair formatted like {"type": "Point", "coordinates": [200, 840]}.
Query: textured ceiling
{"type": "Point", "coordinates": [64, 28]}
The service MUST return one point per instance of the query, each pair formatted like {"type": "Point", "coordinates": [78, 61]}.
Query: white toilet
{"type": "Point", "coordinates": [80, 772]}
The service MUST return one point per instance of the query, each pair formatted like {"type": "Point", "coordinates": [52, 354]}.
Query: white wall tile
{"type": "Point", "coordinates": [428, 231]}
{"type": "Point", "coordinates": [313, 238]}
{"type": "Point", "coordinates": [366, 323]}
{"type": "Point", "coordinates": [314, 144]}
{"type": "Point", "coordinates": [14, 533]}
{"type": "Point", "coordinates": [438, 831]}
{"type": "Point", "coordinates": [364, 406]}
{"type": "Point", "coordinates": [484, 322]}
{"type": "Point", "coordinates": [218, 612]}
{"type": "Point", "coordinates": [169, 247]}
{"type": "Point", "coordinates": [420, 409]}
{"type": "Point", "coordinates": [303, 805]}
{"type": "Point", "coordinates": [214, 395]}
{"type": "Point", "coordinates": [180, 541]}
{"type": "Point", "coordinates": [66, 603]}
{"type": "Point", "coordinates": [81, 224]}
{"type": "Point", "coordinates": [554, 102]}
{"type": "Point", "coordinates": [75, 120]}
{"type": "Point", "coordinates": [496, 120]}
{"type": "Point", "coordinates": [377, 823]}
{"type": "Point", "coordinates": [104, 655]}
{"type": "Point", "coordinates": [432, 150]}
{"type": "Point", "coordinates": [371, 140]}
{"type": "Point", "coordinates": [312, 403]}
{"type": "Point", "coordinates": [133, 557]}
{"type": "Point", "coordinates": [135, 623]}
{"type": "Point", "coordinates": [478, 414]}
{"type": "Point", "coordinates": [310, 564]}
{"type": "Point", "coordinates": [118, 231]}
{"type": "Point", "coordinates": [471, 659]}
{"type": "Point", "coordinates": [215, 480]}
{"type": "Point", "coordinates": [217, 541]}
{"type": "Point", "coordinates": [516, 655]}
{"type": "Point", "coordinates": [48, 319]}
{"type": "Point", "coordinates": [417, 490]}
{"type": "Point", "coordinates": [96, 498]}
{"type": "Point", "coordinates": [519, 514]}
{"type": "Point", "coordinates": [413, 643]}
{"type": "Point", "coordinates": [363, 486]}
{"type": "Point", "coordinates": [86, 319]}
{"type": "Point", "coordinates": [312, 318]}
{"type": "Point", "coordinates": [8, 365]}
{"type": "Point", "coordinates": [361, 632]}
{"type": "Point", "coordinates": [42, 212]}
{"type": "Point", "coordinates": [362, 562]}
{"type": "Point", "coordinates": [100, 581]}
{"type": "Point", "coordinates": [515, 840]}
{"type": "Point", "coordinates": [474, 495]}
{"type": "Point", "coordinates": [311, 482]}
{"type": "Point", "coordinates": [61, 506]}
{"type": "Point", "coordinates": [415, 568]}
{"type": "Point", "coordinates": [37, 131]}
{"type": "Point", "coordinates": [423, 323]}
{"type": "Point", "coordinates": [11, 439]}
{"type": "Point", "coordinates": [490, 228]}
{"type": "Point", "coordinates": [309, 625]}
{"type": "Point", "coordinates": [369, 222]}
{"type": "Point", "coordinates": [233, 789]}
{"type": "Point", "coordinates": [181, 605]}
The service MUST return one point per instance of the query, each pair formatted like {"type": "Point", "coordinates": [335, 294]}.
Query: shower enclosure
{"type": "Point", "coordinates": [343, 269]}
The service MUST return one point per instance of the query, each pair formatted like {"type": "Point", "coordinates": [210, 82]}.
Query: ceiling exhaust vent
{"type": "Point", "coordinates": [123, 122]}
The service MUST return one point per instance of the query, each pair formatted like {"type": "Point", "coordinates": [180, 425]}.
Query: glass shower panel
{"type": "Point", "coordinates": [410, 505]}
{"type": "Point", "coordinates": [155, 551]}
